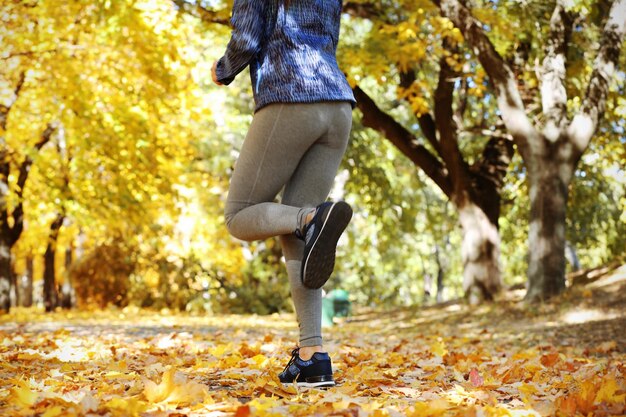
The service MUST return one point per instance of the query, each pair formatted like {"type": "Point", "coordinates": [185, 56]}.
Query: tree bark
{"type": "Point", "coordinates": [548, 202]}
{"type": "Point", "coordinates": [50, 294]}
{"type": "Point", "coordinates": [5, 275]}
{"type": "Point", "coordinates": [440, 275]}
{"type": "Point", "coordinates": [66, 289]}
{"type": "Point", "coordinates": [480, 253]}
{"type": "Point", "coordinates": [27, 295]}
{"type": "Point", "coordinates": [428, 285]}
{"type": "Point", "coordinates": [16, 286]}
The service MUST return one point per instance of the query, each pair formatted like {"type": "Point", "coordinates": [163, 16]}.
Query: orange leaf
{"type": "Point", "coordinates": [243, 411]}
{"type": "Point", "coordinates": [566, 405]}
{"type": "Point", "coordinates": [550, 359]}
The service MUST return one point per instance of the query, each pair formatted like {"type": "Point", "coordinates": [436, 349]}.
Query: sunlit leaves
{"type": "Point", "coordinates": [442, 361]}
{"type": "Point", "coordinates": [117, 78]}
{"type": "Point", "coordinates": [174, 389]}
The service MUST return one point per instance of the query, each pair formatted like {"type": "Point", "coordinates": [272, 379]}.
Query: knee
{"type": "Point", "coordinates": [230, 218]}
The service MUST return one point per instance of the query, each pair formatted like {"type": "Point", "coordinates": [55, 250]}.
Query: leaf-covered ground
{"type": "Point", "coordinates": [562, 358]}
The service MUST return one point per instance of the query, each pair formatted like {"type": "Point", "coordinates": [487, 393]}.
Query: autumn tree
{"type": "Point", "coordinates": [112, 79]}
{"type": "Point", "coordinates": [443, 121]}
{"type": "Point", "coordinates": [552, 145]}
{"type": "Point", "coordinates": [12, 215]}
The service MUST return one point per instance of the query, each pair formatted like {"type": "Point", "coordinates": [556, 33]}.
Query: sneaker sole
{"type": "Point", "coordinates": [325, 384]}
{"type": "Point", "coordinates": [320, 262]}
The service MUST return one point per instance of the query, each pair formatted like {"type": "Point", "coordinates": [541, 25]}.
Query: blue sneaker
{"type": "Point", "coordinates": [317, 372]}
{"type": "Point", "coordinates": [320, 237]}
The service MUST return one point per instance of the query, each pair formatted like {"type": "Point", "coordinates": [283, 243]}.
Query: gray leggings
{"type": "Point", "coordinates": [296, 148]}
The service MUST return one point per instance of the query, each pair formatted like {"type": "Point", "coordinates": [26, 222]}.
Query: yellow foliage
{"type": "Point", "coordinates": [608, 392]}
{"type": "Point", "coordinates": [22, 393]}
{"type": "Point", "coordinates": [160, 363]}
{"type": "Point", "coordinates": [127, 407]}
{"type": "Point", "coordinates": [174, 389]}
{"type": "Point", "coordinates": [438, 348]}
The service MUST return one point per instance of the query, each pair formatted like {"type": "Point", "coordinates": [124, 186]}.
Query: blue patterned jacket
{"type": "Point", "coordinates": [291, 53]}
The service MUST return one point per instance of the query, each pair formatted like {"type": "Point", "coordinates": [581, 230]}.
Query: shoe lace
{"type": "Point", "coordinates": [301, 232]}
{"type": "Point", "coordinates": [294, 355]}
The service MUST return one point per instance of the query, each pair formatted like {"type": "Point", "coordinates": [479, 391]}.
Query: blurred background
{"type": "Point", "coordinates": [116, 151]}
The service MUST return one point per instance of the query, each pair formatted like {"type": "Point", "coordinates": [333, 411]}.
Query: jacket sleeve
{"type": "Point", "coordinates": [248, 22]}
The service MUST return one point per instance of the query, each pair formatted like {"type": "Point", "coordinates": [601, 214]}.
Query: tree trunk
{"type": "Point", "coordinates": [27, 285]}
{"type": "Point", "coordinates": [428, 284]}
{"type": "Point", "coordinates": [16, 287]}
{"type": "Point", "coordinates": [50, 294]}
{"type": "Point", "coordinates": [571, 256]}
{"type": "Point", "coordinates": [546, 236]}
{"type": "Point", "coordinates": [480, 253]}
{"type": "Point", "coordinates": [66, 289]}
{"type": "Point", "coordinates": [5, 276]}
{"type": "Point", "coordinates": [440, 273]}
{"type": "Point", "coordinates": [440, 285]}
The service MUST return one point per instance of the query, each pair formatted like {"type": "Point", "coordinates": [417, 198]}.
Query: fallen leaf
{"type": "Point", "coordinates": [475, 378]}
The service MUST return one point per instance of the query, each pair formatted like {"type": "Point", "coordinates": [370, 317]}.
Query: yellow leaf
{"type": "Point", "coordinates": [432, 408]}
{"type": "Point", "coordinates": [607, 391]}
{"type": "Point", "coordinates": [172, 391]}
{"type": "Point", "coordinates": [120, 366]}
{"type": "Point", "coordinates": [55, 411]}
{"type": "Point", "coordinates": [439, 348]}
{"type": "Point", "coordinates": [24, 396]}
{"type": "Point", "coordinates": [127, 407]}
{"type": "Point", "coordinates": [527, 389]}
{"type": "Point", "coordinates": [219, 350]}
{"type": "Point", "coordinates": [157, 393]}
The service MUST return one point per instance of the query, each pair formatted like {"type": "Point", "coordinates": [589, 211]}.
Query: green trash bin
{"type": "Point", "coordinates": [328, 312]}
{"type": "Point", "coordinates": [335, 304]}
{"type": "Point", "coordinates": [341, 303]}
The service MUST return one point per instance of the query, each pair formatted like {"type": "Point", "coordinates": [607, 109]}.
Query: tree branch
{"type": "Point", "coordinates": [495, 161]}
{"type": "Point", "coordinates": [425, 121]}
{"type": "Point", "coordinates": [27, 53]}
{"type": "Point", "coordinates": [353, 8]}
{"type": "Point", "coordinates": [460, 110]}
{"type": "Point", "coordinates": [500, 74]}
{"type": "Point", "coordinates": [444, 120]}
{"type": "Point", "coordinates": [4, 110]}
{"type": "Point", "coordinates": [362, 10]}
{"type": "Point", "coordinates": [375, 118]}
{"type": "Point", "coordinates": [480, 131]}
{"type": "Point", "coordinates": [195, 9]}
{"type": "Point", "coordinates": [586, 122]}
{"type": "Point", "coordinates": [553, 93]}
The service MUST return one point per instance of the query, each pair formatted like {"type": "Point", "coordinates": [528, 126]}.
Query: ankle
{"type": "Point", "coordinates": [306, 352]}
{"type": "Point", "coordinates": [304, 217]}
